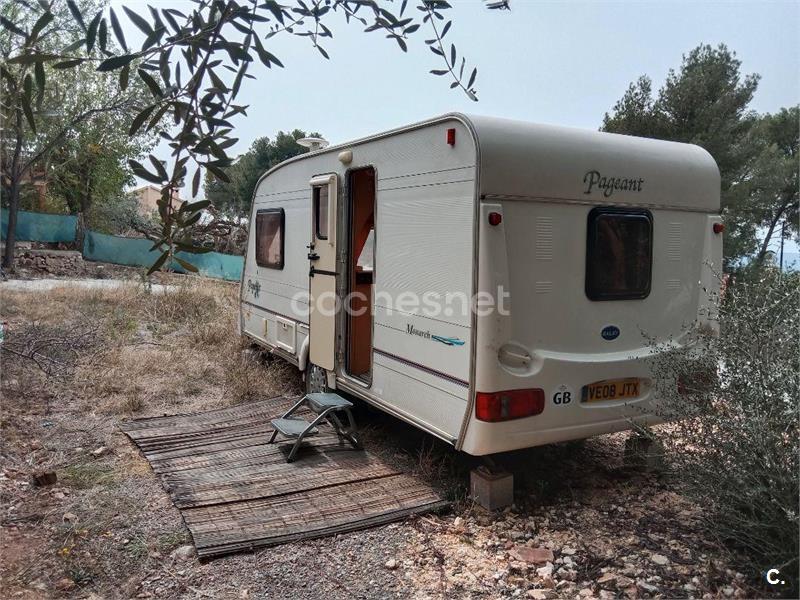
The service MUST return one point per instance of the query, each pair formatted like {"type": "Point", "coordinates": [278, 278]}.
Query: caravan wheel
{"type": "Point", "coordinates": [316, 379]}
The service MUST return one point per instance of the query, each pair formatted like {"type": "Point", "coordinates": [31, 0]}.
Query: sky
{"type": "Point", "coordinates": [562, 62]}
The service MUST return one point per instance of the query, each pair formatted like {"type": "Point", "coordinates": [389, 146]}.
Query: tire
{"type": "Point", "coordinates": [316, 379]}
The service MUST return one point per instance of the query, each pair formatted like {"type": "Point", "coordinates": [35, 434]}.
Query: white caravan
{"type": "Point", "coordinates": [504, 282]}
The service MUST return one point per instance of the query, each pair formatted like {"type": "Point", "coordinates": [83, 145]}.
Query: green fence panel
{"type": "Point", "coordinates": [41, 227]}
{"type": "Point", "coordinates": [136, 252]}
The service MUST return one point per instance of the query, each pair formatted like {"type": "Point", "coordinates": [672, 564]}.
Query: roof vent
{"type": "Point", "coordinates": [313, 143]}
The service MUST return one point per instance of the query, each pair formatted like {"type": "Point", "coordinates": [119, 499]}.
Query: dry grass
{"type": "Point", "coordinates": [159, 350]}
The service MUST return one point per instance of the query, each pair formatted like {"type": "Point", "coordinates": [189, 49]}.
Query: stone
{"type": "Point", "coordinates": [607, 578]}
{"type": "Point", "coordinates": [566, 550]}
{"type": "Point", "coordinates": [391, 564]}
{"type": "Point", "coordinates": [586, 592]}
{"type": "Point", "coordinates": [659, 559]}
{"type": "Point", "coordinates": [43, 478]}
{"type": "Point", "coordinates": [65, 584]}
{"type": "Point", "coordinates": [492, 490]}
{"type": "Point", "coordinates": [541, 594]}
{"type": "Point", "coordinates": [70, 517]}
{"type": "Point", "coordinates": [184, 552]}
{"type": "Point", "coordinates": [536, 556]}
{"type": "Point", "coordinates": [548, 582]}
{"type": "Point", "coordinates": [458, 522]}
{"type": "Point", "coordinates": [545, 571]}
{"type": "Point", "coordinates": [624, 582]}
{"type": "Point", "coordinates": [643, 585]}
{"type": "Point", "coordinates": [99, 451]}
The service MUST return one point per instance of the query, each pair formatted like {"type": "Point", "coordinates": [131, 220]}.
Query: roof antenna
{"type": "Point", "coordinates": [313, 143]}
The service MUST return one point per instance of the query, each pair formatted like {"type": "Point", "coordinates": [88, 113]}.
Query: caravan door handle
{"type": "Point", "coordinates": [313, 256]}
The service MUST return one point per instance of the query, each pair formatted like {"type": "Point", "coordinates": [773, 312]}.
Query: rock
{"type": "Point", "coordinates": [541, 594]}
{"type": "Point", "coordinates": [566, 550]}
{"type": "Point", "coordinates": [458, 522]}
{"type": "Point", "coordinates": [643, 585]}
{"type": "Point", "coordinates": [70, 517]}
{"type": "Point", "coordinates": [43, 478]}
{"type": "Point", "coordinates": [728, 591]}
{"type": "Point", "coordinates": [35, 445]}
{"type": "Point", "coordinates": [586, 592]}
{"type": "Point", "coordinates": [606, 595]}
{"type": "Point", "coordinates": [624, 582]}
{"type": "Point", "coordinates": [99, 451]}
{"type": "Point", "coordinates": [545, 571]}
{"type": "Point", "coordinates": [536, 556]}
{"type": "Point", "coordinates": [65, 584]}
{"type": "Point", "coordinates": [607, 578]}
{"type": "Point", "coordinates": [184, 552]}
{"type": "Point", "coordinates": [549, 583]}
{"type": "Point", "coordinates": [391, 564]}
{"type": "Point", "coordinates": [659, 559]}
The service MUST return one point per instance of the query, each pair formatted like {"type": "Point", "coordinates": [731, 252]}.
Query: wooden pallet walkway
{"type": "Point", "coordinates": [236, 492]}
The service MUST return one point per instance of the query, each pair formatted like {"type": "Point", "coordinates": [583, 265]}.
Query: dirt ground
{"type": "Point", "coordinates": [76, 361]}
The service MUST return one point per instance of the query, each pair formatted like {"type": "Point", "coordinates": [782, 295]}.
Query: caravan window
{"type": "Point", "coordinates": [269, 238]}
{"type": "Point", "coordinates": [321, 211]}
{"type": "Point", "coordinates": [619, 252]}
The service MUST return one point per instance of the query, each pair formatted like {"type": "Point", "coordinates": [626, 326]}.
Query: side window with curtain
{"type": "Point", "coordinates": [269, 238]}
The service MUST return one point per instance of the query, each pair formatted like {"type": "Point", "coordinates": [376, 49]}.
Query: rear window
{"type": "Point", "coordinates": [269, 238]}
{"type": "Point", "coordinates": [619, 253]}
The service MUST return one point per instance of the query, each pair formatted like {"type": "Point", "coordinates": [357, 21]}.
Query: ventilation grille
{"type": "Point", "coordinates": [674, 241]}
{"type": "Point", "coordinates": [544, 238]}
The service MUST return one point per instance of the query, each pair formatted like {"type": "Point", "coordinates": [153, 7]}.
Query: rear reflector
{"type": "Point", "coordinates": [718, 228]}
{"type": "Point", "coordinates": [505, 406]}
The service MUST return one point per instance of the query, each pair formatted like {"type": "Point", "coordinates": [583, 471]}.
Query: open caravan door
{"type": "Point", "coordinates": [322, 272]}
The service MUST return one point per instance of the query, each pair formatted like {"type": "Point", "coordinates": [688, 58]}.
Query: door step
{"type": "Point", "coordinates": [328, 407]}
{"type": "Point", "coordinates": [292, 428]}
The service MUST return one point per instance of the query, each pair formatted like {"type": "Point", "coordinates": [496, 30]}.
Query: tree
{"type": "Point", "coordinates": [91, 162]}
{"type": "Point", "coordinates": [233, 198]}
{"type": "Point", "coordinates": [705, 103]}
{"type": "Point", "coordinates": [194, 65]}
{"type": "Point", "coordinates": [45, 104]}
{"type": "Point", "coordinates": [773, 185]}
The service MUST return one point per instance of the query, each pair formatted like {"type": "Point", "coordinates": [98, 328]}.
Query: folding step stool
{"type": "Point", "coordinates": [325, 405]}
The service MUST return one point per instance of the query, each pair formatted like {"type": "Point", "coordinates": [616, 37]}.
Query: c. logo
{"type": "Point", "coordinates": [772, 577]}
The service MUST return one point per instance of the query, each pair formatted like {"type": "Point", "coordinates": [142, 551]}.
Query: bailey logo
{"type": "Point", "coordinates": [447, 341]}
{"type": "Point", "coordinates": [610, 332]}
{"type": "Point", "coordinates": [608, 185]}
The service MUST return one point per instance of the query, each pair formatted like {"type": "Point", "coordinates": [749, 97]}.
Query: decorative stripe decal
{"type": "Point", "coordinates": [411, 363]}
{"type": "Point", "coordinates": [272, 312]}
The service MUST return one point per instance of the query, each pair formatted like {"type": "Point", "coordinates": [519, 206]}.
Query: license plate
{"type": "Point", "coordinates": [611, 389]}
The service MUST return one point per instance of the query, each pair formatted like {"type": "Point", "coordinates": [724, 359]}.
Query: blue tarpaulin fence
{"type": "Point", "coordinates": [136, 252]}
{"type": "Point", "coordinates": [40, 227]}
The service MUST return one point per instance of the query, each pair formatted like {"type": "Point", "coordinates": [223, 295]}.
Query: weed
{"type": "Point", "coordinates": [89, 475]}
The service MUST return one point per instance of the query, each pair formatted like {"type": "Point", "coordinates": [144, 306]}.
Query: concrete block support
{"type": "Point", "coordinates": [491, 489]}
{"type": "Point", "coordinates": [644, 452]}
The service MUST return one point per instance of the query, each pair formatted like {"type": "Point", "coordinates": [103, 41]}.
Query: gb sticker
{"type": "Point", "coordinates": [563, 394]}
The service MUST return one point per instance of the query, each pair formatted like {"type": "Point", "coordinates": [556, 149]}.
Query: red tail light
{"type": "Point", "coordinates": [505, 406]}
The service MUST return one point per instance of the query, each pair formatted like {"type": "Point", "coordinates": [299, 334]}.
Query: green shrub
{"type": "Point", "coordinates": [736, 444]}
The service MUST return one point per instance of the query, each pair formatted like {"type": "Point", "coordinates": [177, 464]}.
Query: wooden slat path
{"type": "Point", "coordinates": [236, 492]}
